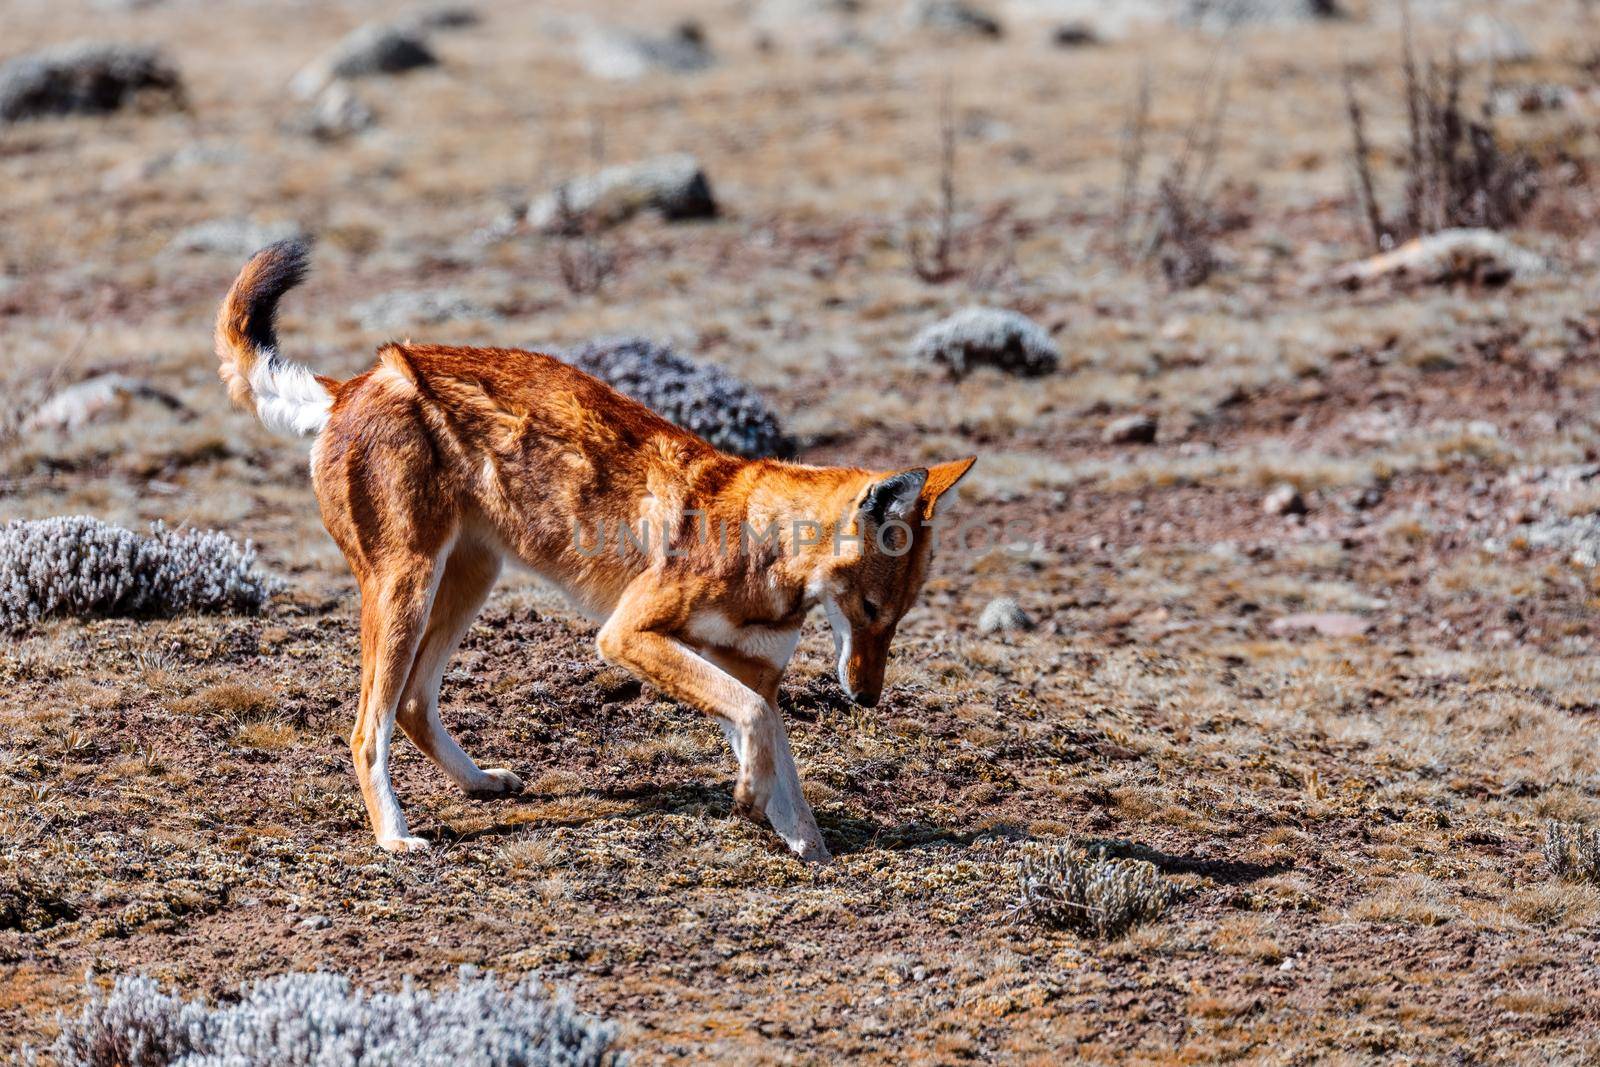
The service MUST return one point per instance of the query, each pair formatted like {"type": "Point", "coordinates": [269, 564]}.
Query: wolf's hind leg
{"type": "Point", "coordinates": [394, 608]}
{"type": "Point", "coordinates": [469, 574]}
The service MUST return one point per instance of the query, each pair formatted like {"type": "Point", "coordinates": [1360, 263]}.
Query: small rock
{"type": "Point", "coordinates": [618, 55]}
{"type": "Point", "coordinates": [369, 50]}
{"type": "Point", "coordinates": [1137, 429]}
{"type": "Point", "coordinates": [1003, 614]}
{"type": "Point", "coordinates": [1077, 34]}
{"type": "Point", "coordinates": [674, 187]}
{"type": "Point", "coordinates": [953, 16]}
{"type": "Point", "coordinates": [1326, 623]}
{"type": "Point", "coordinates": [1284, 500]}
{"type": "Point", "coordinates": [337, 113]}
{"type": "Point", "coordinates": [402, 308]}
{"type": "Point", "coordinates": [104, 398]}
{"type": "Point", "coordinates": [993, 337]}
{"type": "Point", "coordinates": [85, 78]}
{"type": "Point", "coordinates": [1481, 256]}
{"type": "Point", "coordinates": [233, 237]}
{"type": "Point", "coordinates": [314, 922]}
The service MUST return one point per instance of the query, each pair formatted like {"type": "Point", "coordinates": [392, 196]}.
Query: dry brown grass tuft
{"type": "Point", "coordinates": [236, 701]}
{"type": "Point", "coordinates": [1456, 174]}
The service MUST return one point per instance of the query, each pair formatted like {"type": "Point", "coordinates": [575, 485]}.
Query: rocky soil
{"type": "Point", "coordinates": [1337, 718]}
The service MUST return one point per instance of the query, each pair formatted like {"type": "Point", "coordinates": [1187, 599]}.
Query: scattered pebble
{"type": "Point", "coordinates": [1077, 34]}
{"type": "Point", "coordinates": [1138, 429]}
{"type": "Point", "coordinates": [1284, 500]}
{"type": "Point", "coordinates": [1369, 498]}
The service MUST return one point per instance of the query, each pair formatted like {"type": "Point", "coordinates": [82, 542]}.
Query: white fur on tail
{"type": "Point", "coordinates": [288, 397]}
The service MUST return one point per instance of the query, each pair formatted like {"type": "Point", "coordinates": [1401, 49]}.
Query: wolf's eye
{"type": "Point", "coordinates": [869, 609]}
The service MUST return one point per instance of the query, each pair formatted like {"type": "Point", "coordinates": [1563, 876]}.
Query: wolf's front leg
{"type": "Point", "coordinates": [767, 767]}
{"type": "Point", "coordinates": [778, 795]}
{"type": "Point", "coordinates": [768, 780]}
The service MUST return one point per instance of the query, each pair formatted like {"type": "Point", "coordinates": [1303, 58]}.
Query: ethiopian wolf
{"type": "Point", "coordinates": [438, 462]}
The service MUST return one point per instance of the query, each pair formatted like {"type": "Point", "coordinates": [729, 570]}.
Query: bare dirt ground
{"type": "Point", "coordinates": [1354, 821]}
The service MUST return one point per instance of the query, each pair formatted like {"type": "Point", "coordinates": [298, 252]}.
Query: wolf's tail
{"type": "Point", "coordinates": [285, 396]}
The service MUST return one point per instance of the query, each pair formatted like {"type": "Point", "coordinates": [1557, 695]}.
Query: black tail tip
{"type": "Point", "coordinates": [284, 264]}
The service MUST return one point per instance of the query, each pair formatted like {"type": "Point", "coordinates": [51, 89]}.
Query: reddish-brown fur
{"type": "Point", "coordinates": [439, 461]}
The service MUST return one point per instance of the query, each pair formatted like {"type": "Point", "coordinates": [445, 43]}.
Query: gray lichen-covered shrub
{"type": "Point", "coordinates": [84, 78]}
{"type": "Point", "coordinates": [76, 565]}
{"type": "Point", "coordinates": [988, 337]}
{"type": "Point", "coordinates": [320, 1020]}
{"type": "Point", "coordinates": [1572, 852]}
{"type": "Point", "coordinates": [1084, 891]}
{"type": "Point", "coordinates": [1003, 614]}
{"type": "Point", "coordinates": [701, 398]}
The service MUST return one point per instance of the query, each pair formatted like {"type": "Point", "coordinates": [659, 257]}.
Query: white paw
{"type": "Point", "coordinates": [810, 851]}
{"type": "Point", "coordinates": [495, 781]}
{"type": "Point", "coordinates": [402, 844]}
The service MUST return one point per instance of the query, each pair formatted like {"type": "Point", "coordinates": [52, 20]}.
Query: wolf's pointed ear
{"type": "Point", "coordinates": [895, 497]}
{"type": "Point", "coordinates": [943, 478]}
